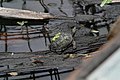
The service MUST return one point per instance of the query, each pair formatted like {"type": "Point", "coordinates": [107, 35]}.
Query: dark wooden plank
{"type": "Point", "coordinates": [99, 56]}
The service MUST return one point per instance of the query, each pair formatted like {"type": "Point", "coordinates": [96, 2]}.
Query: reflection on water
{"type": "Point", "coordinates": [17, 40]}
{"type": "Point", "coordinates": [22, 45]}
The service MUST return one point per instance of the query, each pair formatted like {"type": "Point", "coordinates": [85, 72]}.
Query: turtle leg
{"type": "Point", "coordinates": [74, 44]}
{"type": "Point", "coordinates": [73, 31]}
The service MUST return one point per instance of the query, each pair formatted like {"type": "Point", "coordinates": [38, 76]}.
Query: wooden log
{"type": "Point", "coordinates": [9, 13]}
{"type": "Point", "coordinates": [23, 14]}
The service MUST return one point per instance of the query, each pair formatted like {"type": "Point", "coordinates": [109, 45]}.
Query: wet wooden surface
{"type": "Point", "coordinates": [98, 57]}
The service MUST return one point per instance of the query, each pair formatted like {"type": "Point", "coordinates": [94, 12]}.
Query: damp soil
{"type": "Point", "coordinates": [86, 42]}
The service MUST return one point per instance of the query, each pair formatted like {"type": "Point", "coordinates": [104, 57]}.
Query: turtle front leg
{"type": "Point", "coordinates": [74, 44]}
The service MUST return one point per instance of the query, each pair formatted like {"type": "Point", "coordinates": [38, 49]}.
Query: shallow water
{"type": "Point", "coordinates": [56, 7]}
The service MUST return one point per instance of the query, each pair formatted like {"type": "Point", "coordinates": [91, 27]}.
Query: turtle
{"type": "Point", "coordinates": [63, 38]}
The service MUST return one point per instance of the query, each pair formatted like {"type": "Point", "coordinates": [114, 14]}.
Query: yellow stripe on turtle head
{"type": "Point", "coordinates": [56, 36]}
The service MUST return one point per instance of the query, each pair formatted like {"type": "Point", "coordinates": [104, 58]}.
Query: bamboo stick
{"type": "Point", "coordinates": [23, 14]}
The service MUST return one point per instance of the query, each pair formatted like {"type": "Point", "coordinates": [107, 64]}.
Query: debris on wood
{"type": "Point", "coordinates": [13, 73]}
{"type": "Point", "coordinates": [36, 60]}
{"type": "Point", "coordinates": [66, 56]}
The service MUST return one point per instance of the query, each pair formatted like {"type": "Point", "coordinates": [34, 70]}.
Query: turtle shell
{"type": "Point", "coordinates": [61, 43]}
